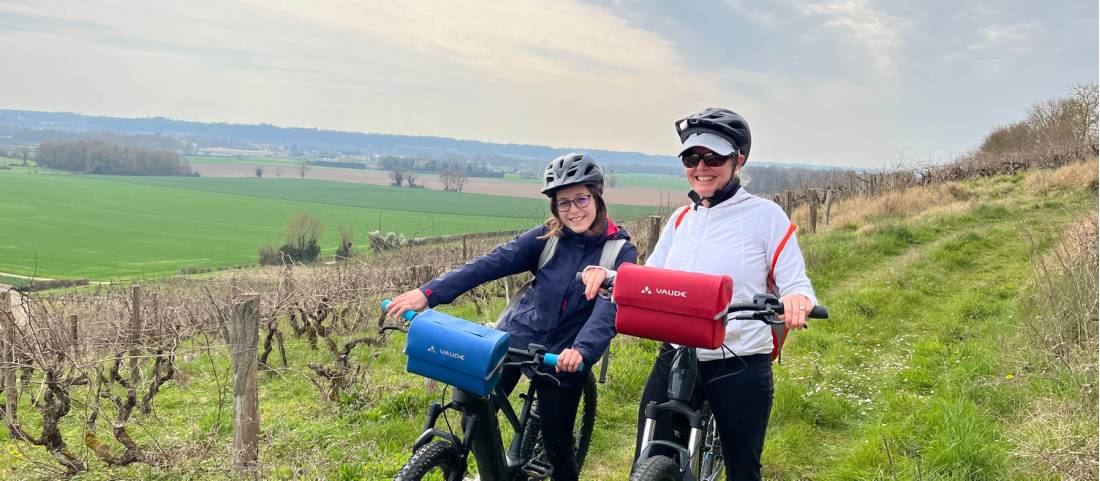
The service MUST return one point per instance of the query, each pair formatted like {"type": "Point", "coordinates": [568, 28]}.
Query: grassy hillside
{"type": "Point", "coordinates": [931, 367]}
{"type": "Point", "coordinates": [61, 225]}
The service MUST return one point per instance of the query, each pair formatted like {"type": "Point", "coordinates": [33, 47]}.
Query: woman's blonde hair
{"type": "Point", "coordinates": [554, 226]}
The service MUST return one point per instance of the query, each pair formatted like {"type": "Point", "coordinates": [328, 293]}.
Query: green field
{"type": "Point", "coordinates": [926, 371]}
{"type": "Point", "coordinates": [103, 227]}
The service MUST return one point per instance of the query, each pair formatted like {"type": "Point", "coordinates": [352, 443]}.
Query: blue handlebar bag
{"type": "Point", "coordinates": [455, 351]}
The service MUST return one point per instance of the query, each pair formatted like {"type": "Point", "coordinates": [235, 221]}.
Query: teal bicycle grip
{"type": "Point", "coordinates": [552, 360]}
{"type": "Point", "coordinates": [408, 315]}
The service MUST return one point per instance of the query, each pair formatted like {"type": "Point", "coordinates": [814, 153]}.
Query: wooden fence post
{"type": "Point", "coordinates": [7, 358]}
{"type": "Point", "coordinates": [788, 203]}
{"type": "Point", "coordinates": [654, 233]}
{"type": "Point", "coordinates": [75, 335]}
{"type": "Point", "coordinates": [158, 323]}
{"type": "Point", "coordinates": [135, 335]}
{"type": "Point", "coordinates": [830, 195]}
{"type": "Point", "coordinates": [813, 210]}
{"type": "Point", "coordinates": [465, 254]}
{"type": "Point", "coordinates": [244, 338]}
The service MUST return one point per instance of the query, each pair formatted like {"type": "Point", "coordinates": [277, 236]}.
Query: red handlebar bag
{"type": "Point", "coordinates": [685, 308]}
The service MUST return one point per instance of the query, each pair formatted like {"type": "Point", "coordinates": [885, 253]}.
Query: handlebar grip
{"type": "Point", "coordinates": [552, 360]}
{"type": "Point", "coordinates": [607, 283]}
{"type": "Point", "coordinates": [819, 312]}
{"type": "Point", "coordinates": [408, 315]}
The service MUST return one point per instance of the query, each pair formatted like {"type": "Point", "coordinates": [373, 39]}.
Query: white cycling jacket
{"type": "Point", "coordinates": [739, 238]}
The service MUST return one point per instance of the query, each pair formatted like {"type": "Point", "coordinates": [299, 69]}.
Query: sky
{"type": "Point", "coordinates": [835, 82]}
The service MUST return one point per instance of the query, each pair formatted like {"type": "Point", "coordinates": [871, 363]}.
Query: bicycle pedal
{"type": "Point", "coordinates": [535, 469]}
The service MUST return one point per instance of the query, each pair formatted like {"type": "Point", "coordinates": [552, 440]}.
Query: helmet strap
{"type": "Point", "coordinates": [722, 194]}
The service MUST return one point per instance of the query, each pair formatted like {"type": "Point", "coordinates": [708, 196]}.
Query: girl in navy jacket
{"type": "Point", "coordinates": [555, 312]}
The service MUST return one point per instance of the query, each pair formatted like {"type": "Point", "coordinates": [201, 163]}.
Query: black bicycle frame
{"type": "Point", "coordinates": [481, 432]}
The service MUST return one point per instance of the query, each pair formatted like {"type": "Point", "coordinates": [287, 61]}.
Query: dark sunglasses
{"type": "Point", "coordinates": [581, 202]}
{"type": "Point", "coordinates": [710, 158]}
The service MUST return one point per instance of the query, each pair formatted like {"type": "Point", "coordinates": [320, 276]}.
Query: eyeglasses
{"type": "Point", "coordinates": [581, 202]}
{"type": "Point", "coordinates": [710, 158]}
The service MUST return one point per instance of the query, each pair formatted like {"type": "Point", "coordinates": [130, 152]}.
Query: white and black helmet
{"type": "Point", "coordinates": [571, 169]}
{"type": "Point", "coordinates": [724, 122]}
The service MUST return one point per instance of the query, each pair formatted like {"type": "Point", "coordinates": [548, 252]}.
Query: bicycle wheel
{"type": "Point", "coordinates": [657, 468]}
{"type": "Point", "coordinates": [435, 462]}
{"type": "Point", "coordinates": [713, 464]}
{"type": "Point", "coordinates": [531, 446]}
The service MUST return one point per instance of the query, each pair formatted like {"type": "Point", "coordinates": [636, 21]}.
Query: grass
{"type": "Point", "coordinates": [927, 369]}
{"type": "Point", "coordinates": [68, 225]}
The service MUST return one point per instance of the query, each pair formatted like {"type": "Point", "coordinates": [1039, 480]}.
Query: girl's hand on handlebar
{"type": "Point", "coordinates": [569, 361]}
{"type": "Point", "coordinates": [593, 277]}
{"type": "Point", "coordinates": [413, 300]}
{"type": "Point", "coordinates": [795, 309]}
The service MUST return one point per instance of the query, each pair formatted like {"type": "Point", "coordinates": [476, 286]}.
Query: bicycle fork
{"type": "Point", "coordinates": [681, 386]}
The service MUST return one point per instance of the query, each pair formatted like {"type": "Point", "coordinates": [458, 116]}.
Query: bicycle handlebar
{"type": "Point", "coordinates": [408, 315]}
{"type": "Point", "coordinates": [818, 312]}
{"type": "Point", "coordinates": [606, 284]}
{"type": "Point", "coordinates": [536, 352]}
{"type": "Point", "coordinates": [552, 360]}
{"type": "Point", "coordinates": [538, 356]}
{"type": "Point", "coordinates": [763, 306]}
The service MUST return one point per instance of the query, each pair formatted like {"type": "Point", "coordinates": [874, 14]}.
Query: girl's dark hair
{"type": "Point", "coordinates": [554, 226]}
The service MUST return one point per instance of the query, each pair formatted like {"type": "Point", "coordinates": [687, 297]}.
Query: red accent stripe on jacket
{"type": "Point", "coordinates": [680, 217]}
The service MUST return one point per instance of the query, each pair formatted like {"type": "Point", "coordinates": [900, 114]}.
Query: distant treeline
{"type": "Point", "coordinates": [436, 166]}
{"type": "Point", "coordinates": [96, 157]}
{"type": "Point", "coordinates": [761, 179]}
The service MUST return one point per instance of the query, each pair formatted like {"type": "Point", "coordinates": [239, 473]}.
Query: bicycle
{"type": "Point", "coordinates": [701, 459]}
{"type": "Point", "coordinates": [444, 455]}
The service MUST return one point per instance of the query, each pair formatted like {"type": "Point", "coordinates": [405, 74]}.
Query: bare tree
{"type": "Point", "coordinates": [1086, 102]}
{"type": "Point", "coordinates": [410, 179]}
{"type": "Point", "coordinates": [302, 234]}
{"type": "Point", "coordinates": [453, 180]}
{"type": "Point", "coordinates": [259, 172]}
{"type": "Point", "coordinates": [303, 167]}
{"type": "Point", "coordinates": [347, 239]}
{"type": "Point", "coordinates": [397, 177]}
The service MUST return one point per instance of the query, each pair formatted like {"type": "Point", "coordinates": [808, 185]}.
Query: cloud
{"type": "Point", "coordinates": [561, 73]}
{"type": "Point", "coordinates": [995, 47]}
{"type": "Point", "coordinates": [873, 30]}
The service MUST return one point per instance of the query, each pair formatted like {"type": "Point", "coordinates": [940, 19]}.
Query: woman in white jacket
{"type": "Point", "coordinates": [729, 231]}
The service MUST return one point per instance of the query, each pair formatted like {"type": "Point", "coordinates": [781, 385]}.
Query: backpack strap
{"type": "Point", "coordinates": [610, 253]}
{"type": "Point", "coordinates": [548, 250]}
{"type": "Point", "coordinates": [680, 218]}
{"type": "Point", "coordinates": [779, 332]}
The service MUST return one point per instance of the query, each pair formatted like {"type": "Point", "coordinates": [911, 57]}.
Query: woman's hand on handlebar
{"type": "Point", "coordinates": [593, 278]}
{"type": "Point", "coordinates": [795, 309]}
{"type": "Point", "coordinates": [414, 300]}
{"type": "Point", "coordinates": [569, 361]}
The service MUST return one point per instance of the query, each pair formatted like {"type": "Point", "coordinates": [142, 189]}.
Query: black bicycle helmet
{"type": "Point", "coordinates": [571, 169]}
{"type": "Point", "coordinates": [725, 123]}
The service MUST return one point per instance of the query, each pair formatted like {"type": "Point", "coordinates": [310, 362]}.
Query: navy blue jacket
{"type": "Point", "coordinates": [553, 312]}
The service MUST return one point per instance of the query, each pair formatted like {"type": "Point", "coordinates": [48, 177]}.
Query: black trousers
{"type": "Point", "coordinates": [739, 391]}
{"type": "Point", "coordinates": [557, 408]}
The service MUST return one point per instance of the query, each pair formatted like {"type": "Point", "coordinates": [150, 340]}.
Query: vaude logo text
{"type": "Point", "coordinates": [665, 292]}
{"type": "Point", "coordinates": [454, 355]}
